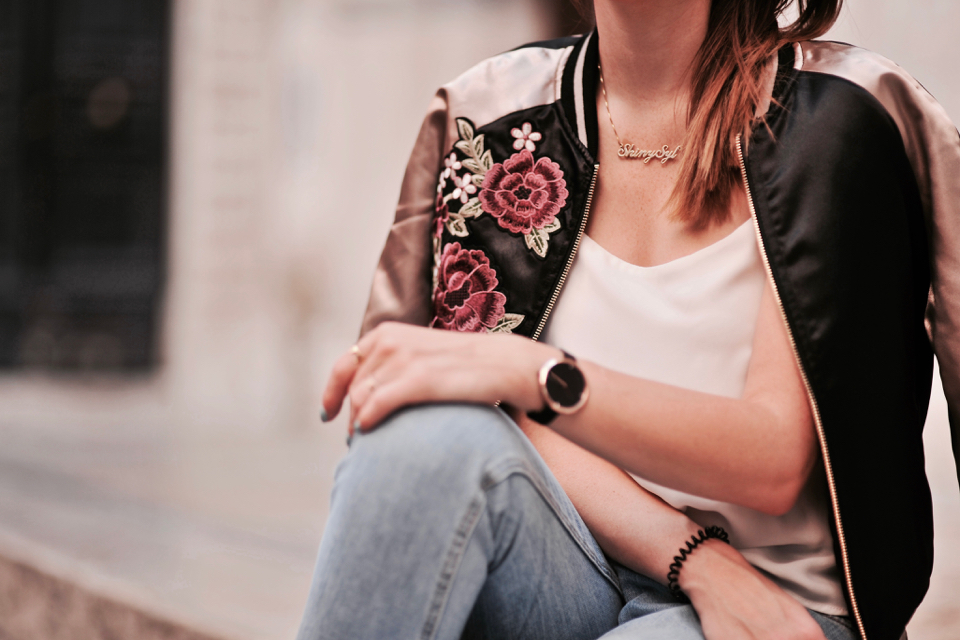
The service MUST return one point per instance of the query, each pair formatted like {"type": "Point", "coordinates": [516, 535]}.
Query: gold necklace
{"type": "Point", "coordinates": [630, 151]}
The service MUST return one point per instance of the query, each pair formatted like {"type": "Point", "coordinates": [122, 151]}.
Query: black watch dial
{"type": "Point", "coordinates": [565, 384]}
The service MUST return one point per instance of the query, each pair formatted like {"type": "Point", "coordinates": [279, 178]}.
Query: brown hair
{"type": "Point", "coordinates": [741, 36]}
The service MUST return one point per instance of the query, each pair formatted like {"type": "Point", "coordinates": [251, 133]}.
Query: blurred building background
{"type": "Point", "coordinates": [193, 195]}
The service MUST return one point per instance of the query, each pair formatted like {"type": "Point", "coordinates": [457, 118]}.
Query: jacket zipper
{"type": "Point", "coordinates": [813, 401]}
{"type": "Point", "coordinates": [573, 254]}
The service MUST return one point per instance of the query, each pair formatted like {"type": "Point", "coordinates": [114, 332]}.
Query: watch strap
{"type": "Point", "coordinates": [545, 416]}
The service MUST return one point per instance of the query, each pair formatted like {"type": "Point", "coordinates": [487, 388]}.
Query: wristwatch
{"type": "Point", "coordinates": [563, 387]}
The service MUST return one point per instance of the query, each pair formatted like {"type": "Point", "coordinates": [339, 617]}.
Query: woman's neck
{"type": "Point", "coordinates": [647, 47]}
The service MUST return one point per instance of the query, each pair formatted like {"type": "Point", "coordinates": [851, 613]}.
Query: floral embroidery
{"type": "Point", "coordinates": [477, 162]}
{"type": "Point", "coordinates": [464, 188]}
{"type": "Point", "coordinates": [464, 299]}
{"type": "Point", "coordinates": [452, 164]}
{"type": "Point", "coordinates": [525, 197]}
{"type": "Point", "coordinates": [525, 137]}
{"type": "Point", "coordinates": [524, 194]}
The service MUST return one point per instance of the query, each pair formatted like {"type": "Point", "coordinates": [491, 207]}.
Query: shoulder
{"type": "Point", "coordinates": [863, 79]}
{"type": "Point", "coordinates": [522, 78]}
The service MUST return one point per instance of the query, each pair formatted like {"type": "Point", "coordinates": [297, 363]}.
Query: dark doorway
{"type": "Point", "coordinates": [82, 182]}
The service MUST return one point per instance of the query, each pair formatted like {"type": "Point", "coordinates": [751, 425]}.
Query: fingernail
{"type": "Point", "coordinates": [356, 427]}
{"type": "Point", "coordinates": [349, 439]}
{"type": "Point", "coordinates": [323, 415]}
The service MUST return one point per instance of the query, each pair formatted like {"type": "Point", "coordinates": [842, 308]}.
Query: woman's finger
{"type": "Point", "coordinates": [360, 390]}
{"type": "Point", "coordinates": [384, 399]}
{"type": "Point", "coordinates": [344, 370]}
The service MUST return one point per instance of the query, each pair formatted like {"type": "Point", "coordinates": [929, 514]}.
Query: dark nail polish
{"type": "Point", "coordinates": [356, 427]}
{"type": "Point", "coordinates": [323, 415]}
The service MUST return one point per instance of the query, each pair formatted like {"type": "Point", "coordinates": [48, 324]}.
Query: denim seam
{"type": "Point", "coordinates": [450, 565]}
{"type": "Point", "coordinates": [499, 471]}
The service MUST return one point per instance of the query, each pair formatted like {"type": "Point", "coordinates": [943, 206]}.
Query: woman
{"type": "Point", "coordinates": [736, 231]}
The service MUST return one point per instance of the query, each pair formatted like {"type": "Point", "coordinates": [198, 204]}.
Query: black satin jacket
{"type": "Point", "coordinates": [854, 190]}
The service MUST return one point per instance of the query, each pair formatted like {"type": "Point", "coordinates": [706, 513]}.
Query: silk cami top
{"type": "Point", "coordinates": [690, 323]}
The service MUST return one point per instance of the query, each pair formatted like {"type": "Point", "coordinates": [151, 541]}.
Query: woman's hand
{"type": "Point", "coordinates": [398, 364]}
{"type": "Point", "coordinates": [736, 602]}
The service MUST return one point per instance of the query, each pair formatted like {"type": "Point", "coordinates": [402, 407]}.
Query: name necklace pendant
{"type": "Point", "coordinates": [630, 151]}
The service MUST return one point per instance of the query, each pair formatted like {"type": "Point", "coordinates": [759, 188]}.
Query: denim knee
{"type": "Point", "coordinates": [424, 451]}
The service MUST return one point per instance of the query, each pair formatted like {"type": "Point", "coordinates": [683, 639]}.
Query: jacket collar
{"type": "Point", "coordinates": [578, 90]}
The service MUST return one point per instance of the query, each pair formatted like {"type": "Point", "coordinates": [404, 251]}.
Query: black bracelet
{"type": "Point", "coordinates": [695, 541]}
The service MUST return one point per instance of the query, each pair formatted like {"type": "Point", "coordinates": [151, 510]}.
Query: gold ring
{"type": "Point", "coordinates": [355, 350]}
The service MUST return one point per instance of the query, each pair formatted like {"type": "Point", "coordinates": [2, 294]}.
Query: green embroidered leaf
{"type": "Point", "coordinates": [457, 226]}
{"type": "Point", "coordinates": [537, 240]}
{"type": "Point", "coordinates": [464, 146]}
{"type": "Point", "coordinates": [553, 226]}
{"type": "Point", "coordinates": [478, 180]}
{"type": "Point", "coordinates": [508, 323]}
{"type": "Point", "coordinates": [487, 161]}
{"type": "Point", "coordinates": [464, 129]}
{"type": "Point", "coordinates": [473, 166]}
{"type": "Point", "coordinates": [478, 146]}
{"type": "Point", "coordinates": [471, 210]}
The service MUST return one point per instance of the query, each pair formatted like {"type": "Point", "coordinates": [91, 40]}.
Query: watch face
{"type": "Point", "coordinates": [565, 385]}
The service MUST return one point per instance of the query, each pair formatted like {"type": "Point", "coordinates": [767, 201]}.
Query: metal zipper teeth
{"type": "Point", "coordinates": [813, 401]}
{"type": "Point", "coordinates": [573, 254]}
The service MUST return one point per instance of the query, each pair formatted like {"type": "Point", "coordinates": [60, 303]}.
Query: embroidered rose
{"type": "Point", "coordinates": [440, 217]}
{"type": "Point", "coordinates": [465, 299]}
{"type": "Point", "coordinates": [523, 195]}
{"type": "Point", "coordinates": [525, 137]}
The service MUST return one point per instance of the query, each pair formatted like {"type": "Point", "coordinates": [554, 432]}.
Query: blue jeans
{"type": "Point", "coordinates": [445, 523]}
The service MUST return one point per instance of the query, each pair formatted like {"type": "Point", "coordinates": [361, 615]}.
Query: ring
{"type": "Point", "coordinates": [355, 350]}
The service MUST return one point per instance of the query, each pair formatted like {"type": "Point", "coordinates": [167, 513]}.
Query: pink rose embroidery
{"type": "Point", "coordinates": [441, 215]}
{"type": "Point", "coordinates": [465, 299]}
{"type": "Point", "coordinates": [523, 195]}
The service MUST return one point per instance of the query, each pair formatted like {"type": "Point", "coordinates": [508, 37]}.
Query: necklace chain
{"type": "Point", "coordinates": [629, 151]}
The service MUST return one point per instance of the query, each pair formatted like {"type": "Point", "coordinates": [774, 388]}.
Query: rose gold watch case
{"type": "Point", "coordinates": [550, 402]}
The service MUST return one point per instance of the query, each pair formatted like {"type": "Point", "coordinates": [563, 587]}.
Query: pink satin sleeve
{"type": "Point", "coordinates": [401, 283]}
{"type": "Point", "coordinates": [932, 144]}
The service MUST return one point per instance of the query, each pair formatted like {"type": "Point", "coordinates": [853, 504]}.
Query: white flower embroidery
{"type": "Point", "coordinates": [525, 137]}
{"type": "Point", "coordinates": [464, 187]}
{"type": "Point", "coordinates": [451, 164]}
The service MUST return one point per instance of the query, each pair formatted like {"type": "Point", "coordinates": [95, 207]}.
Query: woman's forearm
{"type": "Point", "coordinates": [727, 449]}
{"type": "Point", "coordinates": [756, 450]}
{"type": "Point", "coordinates": [633, 526]}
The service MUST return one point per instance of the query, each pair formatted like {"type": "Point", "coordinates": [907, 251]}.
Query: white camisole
{"type": "Point", "coordinates": [690, 323]}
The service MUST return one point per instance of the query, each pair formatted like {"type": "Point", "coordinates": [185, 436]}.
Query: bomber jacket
{"type": "Point", "coordinates": [854, 190]}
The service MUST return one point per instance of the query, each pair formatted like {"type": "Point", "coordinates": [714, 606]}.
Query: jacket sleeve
{"type": "Point", "coordinates": [943, 186]}
{"type": "Point", "coordinates": [934, 142]}
{"type": "Point", "coordinates": [402, 281]}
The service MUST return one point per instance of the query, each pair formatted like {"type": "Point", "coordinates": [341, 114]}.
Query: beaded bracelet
{"type": "Point", "coordinates": [695, 541]}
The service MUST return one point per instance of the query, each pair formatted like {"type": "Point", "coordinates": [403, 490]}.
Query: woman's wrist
{"type": "Point", "coordinates": [523, 391]}
{"type": "Point", "coordinates": [709, 567]}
